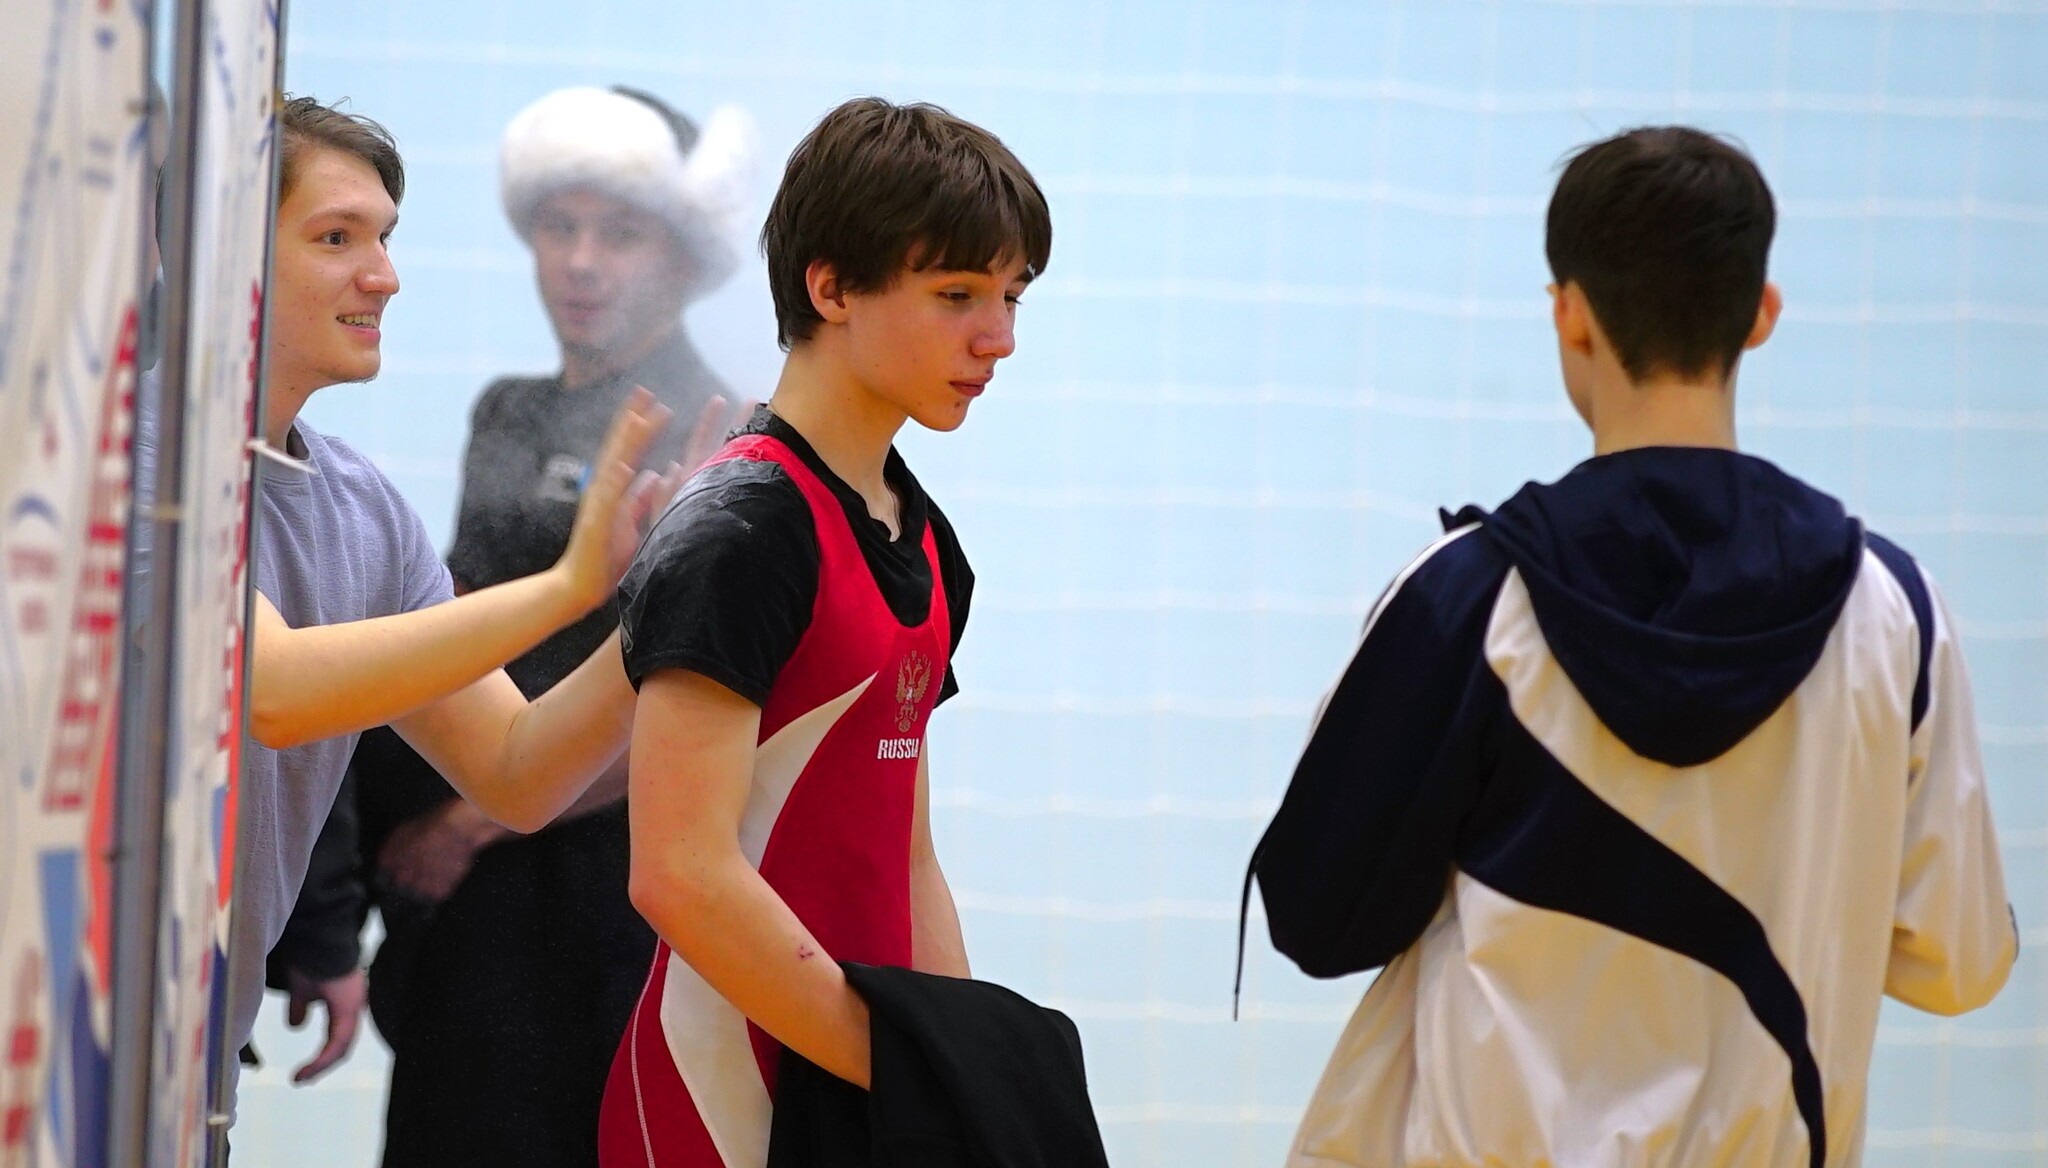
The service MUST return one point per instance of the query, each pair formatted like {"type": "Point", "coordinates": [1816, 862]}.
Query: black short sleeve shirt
{"type": "Point", "coordinates": [726, 582]}
{"type": "Point", "coordinates": [531, 443]}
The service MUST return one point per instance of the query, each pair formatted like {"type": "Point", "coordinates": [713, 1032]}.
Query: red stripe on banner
{"type": "Point", "coordinates": [17, 1125]}
{"type": "Point", "coordinates": [99, 875]}
{"type": "Point", "coordinates": [22, 1046]}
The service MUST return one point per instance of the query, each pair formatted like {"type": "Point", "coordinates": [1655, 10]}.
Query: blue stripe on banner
{"type": "Point", "coordinates": [63, 931]}
{"type": "Point", "coordinates": [217, 1060]}
{"type": "Point", "coordinates": [33, 505]}
{"type": "Point", "coordinates": [1544, 839]}
{"type": "Point", "coordinates": [89, 1070]}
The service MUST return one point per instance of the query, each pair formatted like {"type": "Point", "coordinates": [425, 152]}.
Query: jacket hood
{"type": "Point", "coordinates": [1686, 592]}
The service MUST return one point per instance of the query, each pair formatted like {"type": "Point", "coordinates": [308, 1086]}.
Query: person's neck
{"type": "Point", "coordinates": [282, 402]}
{"type": "Point", "coordinates": [588, 366]}
{"type": "Point", "coordinates": [847, 425]}
{"type": "Point", "coordinates": [1663, 411]}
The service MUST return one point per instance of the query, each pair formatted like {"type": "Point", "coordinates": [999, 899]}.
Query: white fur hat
{"type": "Point", "coordinates": [635, 149]}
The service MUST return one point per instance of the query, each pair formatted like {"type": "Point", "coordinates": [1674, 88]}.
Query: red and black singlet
{"type": "Point", "coordinates": [828, 822]}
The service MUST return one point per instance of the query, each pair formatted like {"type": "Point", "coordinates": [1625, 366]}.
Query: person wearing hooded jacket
{"type": "Point", "coordinates": [1647, 786]}
{"type": "Point", "coordinates": [510, 964]}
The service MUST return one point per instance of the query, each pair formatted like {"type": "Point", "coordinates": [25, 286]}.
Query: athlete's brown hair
{"type": "Point", "coordinates": [876, 188]}
{"type": "Point", "coordinates": [305, 124]}
{"type": "Point", "coordinates": [1668, 230]}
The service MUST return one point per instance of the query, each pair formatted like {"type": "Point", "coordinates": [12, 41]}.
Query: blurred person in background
{"type": "Point", "coordinates": [510, 963]}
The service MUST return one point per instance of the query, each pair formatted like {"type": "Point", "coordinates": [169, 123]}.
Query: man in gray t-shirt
{"type": "Point", "coordinates": [354, 622]}
{"type": "Point", "coordinates": [335, 543]}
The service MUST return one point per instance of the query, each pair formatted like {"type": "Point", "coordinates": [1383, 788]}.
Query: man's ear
{"type": "Point", "coordinates": [826, 297]}
{"type": "Point", "coordinates": [1573, 318]}
{"type": "Point", "coordinates": [1767, 311]}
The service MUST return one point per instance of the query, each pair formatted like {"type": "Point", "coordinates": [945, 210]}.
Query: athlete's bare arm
{"type": "Point", "coordinates": [936, 945]}
{"type": "Point", "coordinates": [523, 763]}
{"type": "Point", "coordinates": [435, 673]}
{"type": "Point", "coordinates": [692, 768]}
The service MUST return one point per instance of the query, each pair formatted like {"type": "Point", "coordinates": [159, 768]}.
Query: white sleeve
{"type": "Point", "coordinates": [1953, 936]}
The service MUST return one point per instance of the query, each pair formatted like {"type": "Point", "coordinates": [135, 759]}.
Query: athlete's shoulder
{"type": "Point", "coordinates": [725, 582]}
{"type": "Point", "coordinates": [1454, 578]}
{"type": "Point", "coordinates": [343, 468]}
{"type": "Point", "coordinates": [739, 478]}
{"type": "Point", "coordinates": [353, 503]}
{"type": "Point", "coordinates": [736, 506]}
{"type": "Point", "coordinates": [1899, 563]}
{"type": "Point", "coordinates": [1461, 556]}
{"type": "Point", "coordinates": [1906, 572]}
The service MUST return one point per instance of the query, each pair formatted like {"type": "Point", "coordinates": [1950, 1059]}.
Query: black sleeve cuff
{"type": "Point", "coordinates": [642, 667]}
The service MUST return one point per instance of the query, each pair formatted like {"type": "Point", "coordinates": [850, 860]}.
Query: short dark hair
{"type": "Point", "coordinates": [1667, 230]}
{"type": "Point", "coordinates": [306, 124]}
{"type": "Point", "coordinates": [876, 187]}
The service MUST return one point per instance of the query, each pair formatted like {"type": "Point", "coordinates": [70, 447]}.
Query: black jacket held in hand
{"type": "Point", "coordinates": [965, 1074]}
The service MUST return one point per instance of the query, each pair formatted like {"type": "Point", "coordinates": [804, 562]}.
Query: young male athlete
{"type": "Point", "coordinates": [1648, 785]}
{"type": "Point", "coordinates": [354, 623]}
{"type": "Point", "coordinates": [790, 624]}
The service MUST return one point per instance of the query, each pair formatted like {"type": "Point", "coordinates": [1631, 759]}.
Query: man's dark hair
{"type": "Point", "coordinates": [305, 124]}
{"type": "Point", "coordinates": [877, 187]}
{"type": "Point", "coordinates": [1667, 230]}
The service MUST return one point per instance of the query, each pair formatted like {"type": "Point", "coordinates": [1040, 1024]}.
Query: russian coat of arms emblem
{"type": "Point", "coordinates": [913, 677]}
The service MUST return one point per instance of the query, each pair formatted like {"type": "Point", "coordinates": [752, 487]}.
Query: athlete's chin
{"type": "Point", "coordinates": [357, 370]}
{"type": "Point", "coordinates": [945, 420]}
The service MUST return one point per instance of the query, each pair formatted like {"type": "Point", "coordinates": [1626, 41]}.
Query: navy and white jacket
{"type": "Point", "coordinates": [1644, 788]}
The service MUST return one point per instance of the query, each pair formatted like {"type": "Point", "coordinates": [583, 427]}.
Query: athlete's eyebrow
{"type": "Point", "coordinates": [350, 216]}
{"type": "Point", "coordinates": [1024, 277]}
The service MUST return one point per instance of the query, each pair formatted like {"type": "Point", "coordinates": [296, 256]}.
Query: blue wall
{"type": "Point", "coordinates": [1295, 304]}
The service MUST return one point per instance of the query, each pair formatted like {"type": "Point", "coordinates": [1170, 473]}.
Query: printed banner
{"type": "Point", "coordinates": [231, 231]}
{"type": "Point", "coordinates": [73, 172]}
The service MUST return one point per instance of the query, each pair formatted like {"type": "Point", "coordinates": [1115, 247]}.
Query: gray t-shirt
{"type": "Point", "coordinates": [335, 542]}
